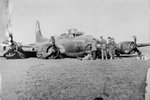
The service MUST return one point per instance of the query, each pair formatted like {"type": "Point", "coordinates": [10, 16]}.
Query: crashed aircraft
{"type": "Point", "coordinates": [72, 44]}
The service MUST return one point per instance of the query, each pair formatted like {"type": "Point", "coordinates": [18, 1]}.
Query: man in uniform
{"type": "Point", "coordinates": [111, 47]}
{"type": "Point", "coordinates": [94, 49]}
{"type": "Point", "coordinates": [114, 46]}
{"type": "Point", "coordinates": [103, 46]}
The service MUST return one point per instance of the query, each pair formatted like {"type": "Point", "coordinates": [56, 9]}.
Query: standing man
{"type": "Point", "coordinates": [103, 46]}
{"type": "Point", "coordinates": [94, 49]}
{"type": "Point", "coordinates": [111, 47]}
{"type": "Point", "coordinates": [114, 47]}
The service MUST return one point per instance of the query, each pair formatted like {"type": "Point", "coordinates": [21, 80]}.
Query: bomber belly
{"type": "Point", "coordinates": [73, 49]}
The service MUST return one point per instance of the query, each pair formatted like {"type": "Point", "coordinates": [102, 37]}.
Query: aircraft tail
{"type": "Point", "coordinates": [39, 36]}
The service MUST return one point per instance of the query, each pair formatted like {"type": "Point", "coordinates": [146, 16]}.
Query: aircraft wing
{"type": "Point", "coordinates": [143, 44]}
{"type": "Point", "coordinates": [32, 47]}
{"type": "Point", "coordinates": [28, 48]}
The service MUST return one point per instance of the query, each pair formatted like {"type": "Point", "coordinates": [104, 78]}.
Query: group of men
{"type": "Point", "coordinates": [107, 49]}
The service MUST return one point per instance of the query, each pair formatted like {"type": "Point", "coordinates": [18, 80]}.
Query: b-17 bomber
{"type": "Point", "coordinates": [72, 44]}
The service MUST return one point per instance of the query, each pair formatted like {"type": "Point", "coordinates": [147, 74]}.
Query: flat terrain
{"type": "Point", "coordinates": [71, 79]}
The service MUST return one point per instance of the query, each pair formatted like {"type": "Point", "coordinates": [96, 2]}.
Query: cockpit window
{"type": "Point", "coordinates": [71, 33]}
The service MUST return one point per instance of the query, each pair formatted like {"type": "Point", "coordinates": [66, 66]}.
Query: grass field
{"type": "Point", "coordinates": [71, 79]}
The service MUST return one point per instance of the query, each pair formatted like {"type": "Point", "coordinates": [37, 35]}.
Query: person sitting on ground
{"type": "Point", "coordinates": [87, 57]}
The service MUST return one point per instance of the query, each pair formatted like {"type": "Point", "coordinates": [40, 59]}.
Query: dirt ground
{"type": "Point", "coordinates": [71, 79]}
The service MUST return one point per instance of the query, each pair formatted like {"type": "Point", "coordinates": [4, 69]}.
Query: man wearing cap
{"type": "Point", "coordinates": [111, 47]}
{"type": "Point", "coordinates": [114, 47]}
{"type": "Point", "coordinates": [103, 46]}
{"type": "Point", "coordinates": [94, 49]}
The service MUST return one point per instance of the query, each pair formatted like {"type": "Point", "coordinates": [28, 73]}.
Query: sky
{"type": "Point", "coordinates": [120, 19]}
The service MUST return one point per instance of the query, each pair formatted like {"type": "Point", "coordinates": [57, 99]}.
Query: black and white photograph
{"type": "Point", "coordinates": [74, 49]}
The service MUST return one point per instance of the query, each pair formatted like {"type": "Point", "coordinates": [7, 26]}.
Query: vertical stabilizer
{"type": "Point", "coordinates": [39, 37]}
